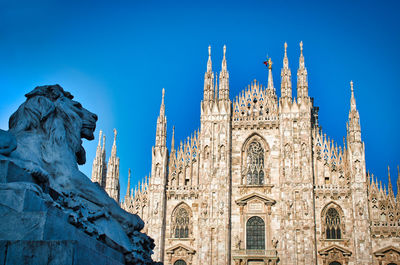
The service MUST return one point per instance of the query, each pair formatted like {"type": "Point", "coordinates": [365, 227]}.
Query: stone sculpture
{"type": "Point", "coordinates": [40, 153]}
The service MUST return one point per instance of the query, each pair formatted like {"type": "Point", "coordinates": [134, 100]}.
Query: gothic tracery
{"type": "Point", "coordinates": [181, 222]}
{"type": "Point", "coordinates": [255, 164]}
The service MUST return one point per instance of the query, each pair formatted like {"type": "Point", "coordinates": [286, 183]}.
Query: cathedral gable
{"type": "Point", "coordinates": [255, 196]}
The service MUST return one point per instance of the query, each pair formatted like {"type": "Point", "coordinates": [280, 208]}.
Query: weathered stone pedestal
{"type": "Point", "coordinates": [35, 231]}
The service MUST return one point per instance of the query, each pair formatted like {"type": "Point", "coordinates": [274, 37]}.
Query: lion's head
{"type": "Point", "coordinates": [52, 119]}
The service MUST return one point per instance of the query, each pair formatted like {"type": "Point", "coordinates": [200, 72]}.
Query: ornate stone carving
{"type": "Point", "coordinates": [48, 128]}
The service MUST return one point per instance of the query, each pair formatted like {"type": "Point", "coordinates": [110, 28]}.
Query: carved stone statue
{"type": "Point", "coordinates": [275, 243]}
{"type": "Point", "coordinates": [44, 139]}
{"type": "Point", "coordinates": [238, 243]}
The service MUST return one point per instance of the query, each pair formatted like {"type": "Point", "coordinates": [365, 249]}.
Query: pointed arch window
{"type": "Point", "coordinates": [255, 164]}
{"type": "Point", "coordinates": [332, 222]}
{"type": "Point", "coordinates": [255, 233]}
{"type": "Point", "coordinates": [181, 223]}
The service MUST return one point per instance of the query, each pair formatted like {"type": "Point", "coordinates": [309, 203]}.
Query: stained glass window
{"type": "Point", "coordinates": [180, 262]}
{"type": "Point", "coordinates": [181, 223]}
{"type": "Point", "coordinates": [333, 224]}
{"type": "Point", "coordinates": [255, 164]}
{"type": "Point", "coordinates": [255, 236]}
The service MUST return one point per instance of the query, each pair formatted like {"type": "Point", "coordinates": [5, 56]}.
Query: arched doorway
{"type": "Point", "coordinates": [392, 263]}
{"type": "Point", "coordinates": [180, 262]}
{"type": "Point", "coordinates": [335, 263]}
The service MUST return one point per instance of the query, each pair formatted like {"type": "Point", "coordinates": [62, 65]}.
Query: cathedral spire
{"type": "Point", "coordinates": [98, 163]}
{"type": "Point", "coordinates": [302, 83]}
{"type": "Point", "coordinates": [104, 163]}
{"type": "Point", "coordinates": [398, 185]}
{"type": "Point", "coordinates": [112, 180]}
{"type": "Point", "coordinates": [353, 106]}
{"type": "Point", "coordinates": [223, 65]}
{"type": "Point", "coordinates": [216, 88]}
{"type": "Point", "coordinates": [128, 187]}
{"type": "Point", "coordinates": [99, 144]}
{"type": "Point", "coordinates": [104, 144]}
{"type": "Point", "coordinates": [354, 128]}
{"type": "Point", "coordinates": [114, 146]}
{"type": "Point", "coordinates": [224, 79]}
{"type": "Point", "coordinates": [99, 149]}
{"type": "Point", "coordinates": [209, 62]}
{"type": "Point", "coordinates": [161, 133]}
{"type": "Point", "coordinates": [173, 139]}
{"type": "Point", "coordinates": [270, 79]}
{"type": "Point", "coordinates": [208, 80]}
{"type": "Point", "coordinates": [286, 77]}
{"type": "Point", "coordinates": [162, 106]}
{"type": "Point", "coordinates": [390, 188]}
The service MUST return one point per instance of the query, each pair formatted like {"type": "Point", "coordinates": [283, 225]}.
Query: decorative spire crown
{"type": "Point", "coordinates": [114, 146]}
{"type": "Point", "coordinates": [223, 80]}
{"type": "Point", "coordinates": [286, 77]}
{"type": "Point", "coordinates": [285, 48]}
{"type": "Point", "coordinates": [224, 67]}
{"type": "Point", "coordinates": [352, 100]}
{"type": "Point", "coordinates": [209, 63]}
{"type": "Point", "coordinates": [161, 131]}
{"type": "Point", "coordinates": [398, 184]}
{"type": "Point", "coordinates": [285, 58]}
{"type": "Point", "coordinates": [270, 78]}
{"type": "Point", "coordinates": [301, 59]}
{"type": "Point", "coordinates": [162, 106]}
{"type": "Point", "coordinates": [115, 136]}
{"type": "Point", "coordinates": [173, 139]}
{"type": "Point", "coordinates": [390, 189]}
{"type": "Point", "coordinates": [100, 133]}
{"type": "Point", "coordinates": [128, 188]}
{"type": "Point", "coordinates": [302, 83]}
{"type": "Point", "coordinates": [104, 142]}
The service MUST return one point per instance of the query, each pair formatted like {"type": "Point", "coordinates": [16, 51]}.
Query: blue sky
{"type": "Point", "coordinates": [116, 56]}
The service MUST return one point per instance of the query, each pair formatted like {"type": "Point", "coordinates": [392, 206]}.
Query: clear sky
{"type": "Point", "coordinates": [116, 56]}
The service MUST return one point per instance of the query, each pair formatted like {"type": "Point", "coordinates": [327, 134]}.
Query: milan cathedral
{"type": "Point", "coordinates": [260, 183]}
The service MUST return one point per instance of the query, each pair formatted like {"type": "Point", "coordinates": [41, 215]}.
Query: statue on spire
{"type": "Point", "coordinates": [286, 77]}
{"type": "Point", "coordinates": [302, 83]}
{"type": "Point", "coordinates": [223, 79]}
{"type": "Point", "coordinates": [115, 136]}
{"type": "Point", "coordinates": [285, 49]}
{"type": "Point", "coordinates": [209, 62]}
{"type": "Point", "coordinates": [208, 80]}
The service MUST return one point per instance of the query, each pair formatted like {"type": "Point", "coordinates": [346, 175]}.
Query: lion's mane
{"type": "Point", "coordinates": [56, 121]}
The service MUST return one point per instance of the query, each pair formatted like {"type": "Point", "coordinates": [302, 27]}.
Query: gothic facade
{"type": "Point", "coordinates": [260, 183]}
{"type": "Point", "coordinates": [107, 174]}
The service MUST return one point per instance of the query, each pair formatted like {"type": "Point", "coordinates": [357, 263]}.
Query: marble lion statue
{"type": "Point", "coordinates": [44, 139]}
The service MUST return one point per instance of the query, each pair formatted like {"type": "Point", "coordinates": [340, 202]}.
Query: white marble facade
{"type": "Point", "coordinates": [260, 183]}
